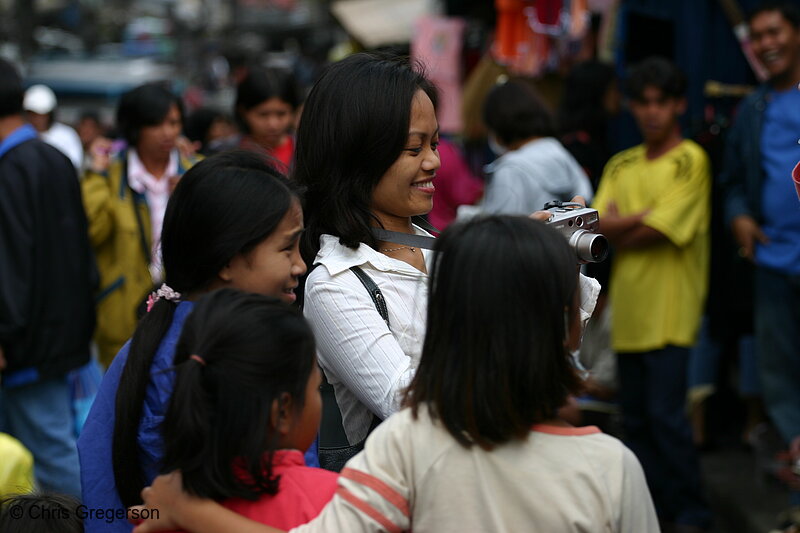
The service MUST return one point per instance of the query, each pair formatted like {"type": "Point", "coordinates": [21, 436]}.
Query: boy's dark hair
{"type": "Point", "coordinates": [354, 127]}
{"type": "Point", "coordinates": [223, 206]}
{"type": "Point", "coordinates": [146, 105]}
{"type": "Point", "coordinates": [44, 512]}
{"type": "Point", "coordinates": [494, 360]}
{"type": "Point", "coordinates": [582, 107]}
{"type": "Point", "coordinates": [788, 10]}
{"type": "Point", "coordinates": [11, 92]}
{"type": "Point", "coordinates": [656, 72]}
{"type": "Point", "coordinates": [262, 84]}
{"type": "Point", "coordinates": [254, 350]}
{"type": "Point", "coordinates": [514, 112]}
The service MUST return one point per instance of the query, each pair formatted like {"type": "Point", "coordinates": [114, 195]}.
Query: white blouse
{"type": "Point", "coordinates": [367, 362]}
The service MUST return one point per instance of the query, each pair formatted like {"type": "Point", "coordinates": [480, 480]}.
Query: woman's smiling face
{"type": "Point", "coordinates": [406, 189]}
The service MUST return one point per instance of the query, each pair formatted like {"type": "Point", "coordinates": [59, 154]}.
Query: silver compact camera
{"type": "Point", "coordinates": [580, 226]}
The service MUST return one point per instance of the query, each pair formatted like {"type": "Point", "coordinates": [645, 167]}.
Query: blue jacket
{"type": "Point", "coordinates": [742, 175]}
{"type": "Point", "coordinates": [95, 442]}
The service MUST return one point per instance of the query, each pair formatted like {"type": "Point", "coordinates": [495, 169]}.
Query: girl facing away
{"type": "Point", "coordinates": [478, 445]}
{"type": "Point", "coordinates": [245, 402]}
{"type": "Point", "coordinates": [232, 221]}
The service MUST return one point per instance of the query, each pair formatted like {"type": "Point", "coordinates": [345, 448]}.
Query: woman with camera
{"type": "Point", "coordinates": [367, 155]}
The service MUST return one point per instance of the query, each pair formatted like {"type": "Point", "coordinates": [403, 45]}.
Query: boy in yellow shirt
{"type": "Point", "coordinates": [654, 205]}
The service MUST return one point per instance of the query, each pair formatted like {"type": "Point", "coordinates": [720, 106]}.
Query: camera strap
{"type": "Point", "coordinates": [409, 239]}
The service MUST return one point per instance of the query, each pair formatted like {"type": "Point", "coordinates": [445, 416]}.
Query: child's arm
{"type": "Point", "coordinates": [169, 507]}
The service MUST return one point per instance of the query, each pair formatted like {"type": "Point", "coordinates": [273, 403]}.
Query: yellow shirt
{"type": "Point", "coordinates": [658, 291]}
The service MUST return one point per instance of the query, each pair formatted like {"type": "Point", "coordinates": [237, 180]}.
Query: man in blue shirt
{"type": "Point", "coordinates": [762, 209]}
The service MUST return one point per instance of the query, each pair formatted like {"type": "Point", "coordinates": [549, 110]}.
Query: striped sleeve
{"type": "Point", "coordinates": [374, 488]}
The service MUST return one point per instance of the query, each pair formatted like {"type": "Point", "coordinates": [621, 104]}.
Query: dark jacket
{"type": "Point", "coordinates": [742, 175]}
{"type": "Point", "coordinates": [46, 265]}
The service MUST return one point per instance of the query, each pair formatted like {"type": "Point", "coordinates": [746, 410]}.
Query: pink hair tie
{"type": "Point", "coordinates": [165, 292]}
{"type": "Point", "coordinates": [198, 359]}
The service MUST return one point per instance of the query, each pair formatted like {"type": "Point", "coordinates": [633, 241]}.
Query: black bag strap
{"type": "Point", "coordinates": [409, 239]}
{"type": "Point", "coordinates": [374, 292]}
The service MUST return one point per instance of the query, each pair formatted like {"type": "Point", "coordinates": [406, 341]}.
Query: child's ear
{"type": "Point", "coordinates": [226, 273]}
{"type": "Point", "coordinates": [281, 413]}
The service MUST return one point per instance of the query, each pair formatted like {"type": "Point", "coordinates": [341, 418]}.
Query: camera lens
{"type": "Point", "coordinates": [589, 247]}
{"type": "Point", "coordinates": [599, 248]}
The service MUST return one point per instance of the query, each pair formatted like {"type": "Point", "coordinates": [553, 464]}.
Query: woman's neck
{"type": "Point", "coordinates": [394, 223]}
{"type": "Point", "coordinates": [155, 164]}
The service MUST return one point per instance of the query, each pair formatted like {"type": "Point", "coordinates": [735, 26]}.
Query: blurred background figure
{"type": "Point", "coordinates": [89, 129]}
{"type": "Point", "coordinates": [40, 106]}
{"type": "Point", "coordinates": [210, 131]}
{"type": "Point", "coordinates": [266, 102]}
{"type": "Point", "coordinates": [533, 167]}
{"type": "Point", "coordinates": [125, 195]}
{"type": "Point", "coordinates": [47, 276]}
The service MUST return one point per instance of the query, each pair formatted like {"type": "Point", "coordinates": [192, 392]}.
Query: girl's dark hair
{"type": "Point", "coordinates": [217, 427]}
{"type": "Point", "coordinates": [223, 206]}
{"type": "Point", "coordinates": [582, 106]}
{"type": "Point", "coordinates": [494, 360]}
{"type": "Point", "coordinates": [260, 85]}
{"type": "Point", "coordinates": [354, 127]}
{"type": "Point", "coordinates": [146, 105]}
{"type": "Point", "coordinates": [36, 512]}
{"type": "Point", "coordinates": [514, 111]}
{"type": "Point", "coordinates": [656, 72]}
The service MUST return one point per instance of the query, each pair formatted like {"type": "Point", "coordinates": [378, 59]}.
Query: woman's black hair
{"type": "Point", "coordinates": [40, 512]}
{"type": "Point", "coordinates": [514, 112]}
{"type": "Point", "coordinates": [583, 104]}
{"type": "Point", "coordinates": [223, 206]}
{"type": "Point", "coordinates": [253, 351]}
{"type": "Point", "coordinates": [494, 359]}
{"type": "Point", "coordinates": [354, 127]}
{"type": "Point", "coordinates": [262, 84]}
{"type": "Point", "coordinates": [657, 72]}
{"type": "Point", "coordinates": [146, 105]}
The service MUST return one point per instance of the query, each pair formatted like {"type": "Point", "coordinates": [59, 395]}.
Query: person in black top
{"type": "Point", "coordinates": [47, 275]}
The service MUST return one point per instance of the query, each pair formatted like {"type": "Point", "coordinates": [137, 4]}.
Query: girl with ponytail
{"type": "Point", "coordinates": [232, 221]}
{"type": "Point", "coordinates": [246, 399]}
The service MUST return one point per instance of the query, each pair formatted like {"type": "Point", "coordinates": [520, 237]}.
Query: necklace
{"type": "Point", "coordinates": [386, 250]}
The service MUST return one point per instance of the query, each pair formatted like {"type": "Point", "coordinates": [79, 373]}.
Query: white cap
{"type": "Point", "coordinates": [39, 99]}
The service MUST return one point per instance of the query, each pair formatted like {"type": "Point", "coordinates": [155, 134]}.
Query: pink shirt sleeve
{"type": "Point", "coordinates": [796, 179]}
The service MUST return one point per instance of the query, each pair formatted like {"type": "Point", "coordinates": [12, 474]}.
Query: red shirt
{"type": "Point", "coordinates": [282, 153]}
{"type": "Point", "coordinates": [302, 493]}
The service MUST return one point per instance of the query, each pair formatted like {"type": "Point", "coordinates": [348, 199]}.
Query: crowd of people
{"type": "Point", "coordinates": [296, 335]}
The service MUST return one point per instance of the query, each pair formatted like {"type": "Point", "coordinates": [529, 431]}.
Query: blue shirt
{"type": "Point", "coordinates": [99, 489]}
{"type": "Point", "coordinates": [781, 212]}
